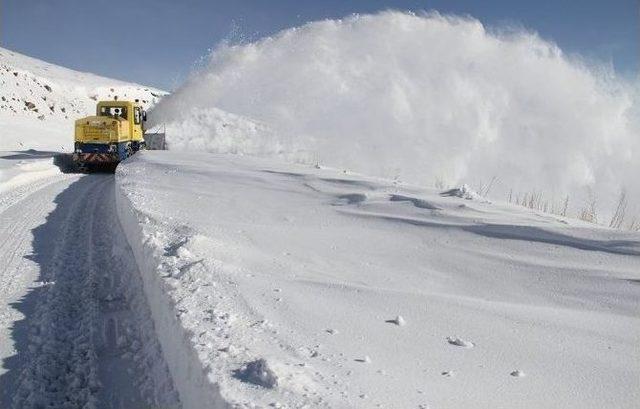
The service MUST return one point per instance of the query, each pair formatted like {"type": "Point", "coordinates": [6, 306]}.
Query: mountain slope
{"type": "Point", "coordinates": [39, 101]}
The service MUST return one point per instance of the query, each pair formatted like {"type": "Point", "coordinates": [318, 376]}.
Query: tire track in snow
{"type": "Point", "coordinates": [14, 230]}
{"type": "Point", "coordinates": [61, 368]}
{"type": "Point", "coordinates": [17, 271]}
{"type": "Point", "coordinates": [71, 360]}
{"type": "Point", "coordinates": [16, 213]}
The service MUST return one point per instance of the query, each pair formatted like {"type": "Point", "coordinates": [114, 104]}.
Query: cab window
{"type": "Point", "coordinates": [114, 111]}
{"type": "Point", "coordinates": [136, 115]}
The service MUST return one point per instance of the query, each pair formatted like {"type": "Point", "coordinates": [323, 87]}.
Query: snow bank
{"type": "Point", "coordinates": [13, 175]}
{"type": "Point", "coordinates": [195, 388]}
{"type": "Point", "coordinates": [422, 97]}
{"type": "Point", "coordinates": [275, 285]}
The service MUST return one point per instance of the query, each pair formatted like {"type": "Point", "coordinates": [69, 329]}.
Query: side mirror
{"type": "Point", "coordinates": [144, 116]}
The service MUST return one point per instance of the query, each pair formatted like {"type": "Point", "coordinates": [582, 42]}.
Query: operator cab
{"type": "Point", "coordinates": [122, 111]}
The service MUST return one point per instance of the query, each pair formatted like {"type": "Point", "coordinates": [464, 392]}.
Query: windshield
{"type": "Point", "coordinates": [114, 111]}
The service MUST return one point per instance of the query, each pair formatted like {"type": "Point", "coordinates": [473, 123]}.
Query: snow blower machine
{"type": "Point", "coordinates": [116, 132]}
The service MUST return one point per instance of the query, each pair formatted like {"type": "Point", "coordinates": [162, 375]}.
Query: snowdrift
{"type": "Point", "coordinates": [275, 285]}
{"type": "Point", "coordinates": [420, 97]}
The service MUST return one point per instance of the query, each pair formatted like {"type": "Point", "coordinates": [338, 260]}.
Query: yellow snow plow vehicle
{"type": "Point", "coordinates": [112, 135]}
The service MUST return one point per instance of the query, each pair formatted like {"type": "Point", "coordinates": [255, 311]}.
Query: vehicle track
{"type": "Point", "coordinates": [91, 342]}
{"type": "Point", "coordinates": [20, 211]}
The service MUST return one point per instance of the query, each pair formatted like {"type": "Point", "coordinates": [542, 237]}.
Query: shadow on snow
{"type": "Point", "coordinates": [46, 238]}
{"type": "Point", "coordinates": [521, 233]}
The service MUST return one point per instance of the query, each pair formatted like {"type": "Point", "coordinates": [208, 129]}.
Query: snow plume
{"type": "Point", "coordinates": [420, 97]}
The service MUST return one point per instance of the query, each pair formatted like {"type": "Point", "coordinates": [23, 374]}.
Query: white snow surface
{"type": "Point", "coordinates": [40, 101]}
{"type": "Point", "coordinates": [250, 282]}
{"type": "Point", "coordinates": [23, 168]}
{"type": "Point", "coordinates": [422, 97]}
{"type": "Point", "coordinates": [75, 326]}
{"type": "Point", "coordinates": [304, 273]}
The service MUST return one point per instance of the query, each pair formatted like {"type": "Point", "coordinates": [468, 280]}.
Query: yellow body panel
{"type": "Point", "coordinates": [106, 127]}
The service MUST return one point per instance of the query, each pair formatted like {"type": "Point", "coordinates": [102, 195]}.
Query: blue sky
{"type": "Point", "coordinates": [156, 42]}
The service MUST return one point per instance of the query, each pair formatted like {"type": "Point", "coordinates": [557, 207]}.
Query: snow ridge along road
{"type": "Point", "coordinates": [281, 285]}
{"type": "Point", "coordinates": [86, 338]}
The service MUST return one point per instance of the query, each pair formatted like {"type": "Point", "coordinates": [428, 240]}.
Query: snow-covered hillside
{"type": "Point", "coordinates": [290, 286]}
{"type": "Point", "coordinates": [39, 101]}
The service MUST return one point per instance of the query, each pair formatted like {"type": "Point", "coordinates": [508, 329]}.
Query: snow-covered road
{"type": "Point", "coordinates": [74, 322]}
